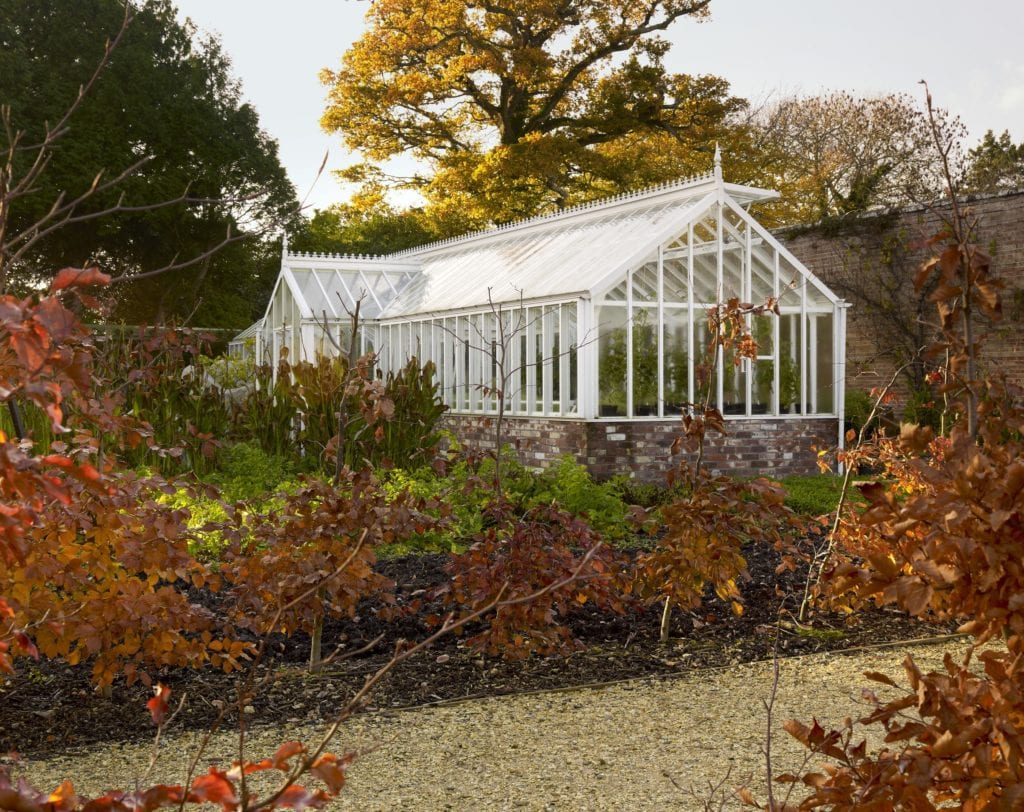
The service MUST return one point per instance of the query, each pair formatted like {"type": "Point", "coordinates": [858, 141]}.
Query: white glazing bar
{"type": "Point", "coordinates": [839, 354]}
{"type": "Point", "coordinates": [629, 343]}
{"type": "Point", "coordinates": [369, 289]}
{"type": "Point", "coordinates": [777, 334]}
{"type": "Point", "coordinates": [513, 360]}
{"type": "Point", "coordinates": [747, 283]}
{"type": "Point", "coordinates": [691, 351]}
{"type": "Point", "coordinates": [586, 359]}
{"type": "Point", "coordinates": [548, 352]}
{"type": "Point", "coordinates": [565, 342]}
{"type": "Point", "coordinates": [476, 366]}
{"type": "Point", "coordinates": [804, 353]}
{"type": "Point", "coordinates": [530, 360]}
{"type": "Point", "coordinates": [719, 354]}
{"type": "Point", "coordinates": [661, 331]}
{"type": "Point", "coordinates": [812, 340]}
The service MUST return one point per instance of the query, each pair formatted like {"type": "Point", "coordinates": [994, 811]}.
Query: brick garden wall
{"type": "Point", "coordinates": [642, 448]}
{"type": "Point", "coordinates": [871, 260]}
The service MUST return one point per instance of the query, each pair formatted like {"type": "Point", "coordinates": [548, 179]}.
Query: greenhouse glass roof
{"type": "Point", "coordinates": [577, 251]}
{"type": "Point", "coordinates": [584, 251]}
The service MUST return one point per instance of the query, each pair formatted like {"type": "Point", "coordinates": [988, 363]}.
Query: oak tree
{"type": "Point", "coordinates": [514, 107]}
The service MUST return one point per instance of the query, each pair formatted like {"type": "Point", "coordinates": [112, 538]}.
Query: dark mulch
{"type": "Point", "coordinates": [50, 707]}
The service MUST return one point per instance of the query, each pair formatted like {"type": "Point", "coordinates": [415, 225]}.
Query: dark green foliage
{"type": "Point", "coordinates": [857, 406]}
{"type": "Point", "coordinates": [411, 437]}
{"type": "Point", "coordinates": [923, 407]}
{"type": "Point", "coordinates": [388, 423]}
{"type": "Point", "coordinates": [995, 165]}
{"type": "Point", "coordinates": [164, 96]}
{"type": "Point", "coordinates": [156, 377]}
{"type": "Point", "coordinates": [191, 404]}
{"type": "Point", "coordinates": [348, 229]}
{"type": "Point", "coordinates": [644, 494]}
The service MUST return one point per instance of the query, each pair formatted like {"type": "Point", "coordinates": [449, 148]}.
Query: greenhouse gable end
{"type": "Point", "coordinates": [591, 326]}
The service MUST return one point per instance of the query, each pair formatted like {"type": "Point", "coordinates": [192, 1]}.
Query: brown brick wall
{"type": "Point", "coordinates": [874, 257]}
{"type": "Point", "coordinates": [642, 448]}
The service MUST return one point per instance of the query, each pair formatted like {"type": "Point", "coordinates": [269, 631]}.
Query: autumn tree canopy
{"type": "Point", "coordinates": [518, 107]}
{"type": "Point", "coordinates": [839, 154]}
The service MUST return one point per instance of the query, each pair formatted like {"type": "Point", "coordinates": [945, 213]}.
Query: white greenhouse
{"type": "Point", "coordinates": [591, 324]}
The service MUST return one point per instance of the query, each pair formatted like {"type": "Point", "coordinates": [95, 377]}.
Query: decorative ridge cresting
{"type": "Point", "coordinates": [350, 257]}
{"type": "Point", "coordinates": [592, 205]}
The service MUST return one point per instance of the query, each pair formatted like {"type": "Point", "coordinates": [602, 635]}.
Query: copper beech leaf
{"type": "Point", "coordinates": [158, 704]}
{"type": "Point", "coordinates": [79, 277]}
{"type": "Point", "coordinates": [214, 788]}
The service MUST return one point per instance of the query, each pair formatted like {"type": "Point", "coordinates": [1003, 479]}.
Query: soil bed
{"type": "Point", "coordinates": [49, 707]}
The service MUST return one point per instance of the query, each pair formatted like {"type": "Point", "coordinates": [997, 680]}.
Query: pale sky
{"type": "Point", "coordinates": [972, 59]}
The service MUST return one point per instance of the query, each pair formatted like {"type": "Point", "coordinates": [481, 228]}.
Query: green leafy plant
{"type": "Point", "coordinates": [568, 485]}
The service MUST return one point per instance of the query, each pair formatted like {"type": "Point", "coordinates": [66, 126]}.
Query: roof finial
{"type": "Point", "coordinates": [284, 244]}
{"type": "Point", "coordinates": [718, 162]}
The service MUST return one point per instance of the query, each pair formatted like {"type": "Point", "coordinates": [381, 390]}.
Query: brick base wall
{"type": "Point", "coordinates": [641, 449]}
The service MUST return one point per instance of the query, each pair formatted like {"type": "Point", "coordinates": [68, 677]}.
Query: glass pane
{"type": "Point", "coordinates": [645, 362]}
{"type": "Point", "coordinates": [790, 280]}
{"type": "Point", "coordinates": [705, 231]}
{"type": "Point", "coordinates": [645, 283]}
{"type": "Point", "coordinates": [521, 374]}
{"type": "Point", "coordinates": [734, 387]}
{"type": "Point", "coordinates": [762, 275]}
{"type": "Point", "coordinates": [734, 256]}
{"type": "Point", "coordinates": [825, 371]}
{"type": "Point", "coordinates": [705, 366]}
{"type": "Point", "coordinates": [705, 278]}
{"type": "Point", "coordinates": [789, 363]}
{"type": "Point", "coordinates": [618, 293]}
{"type": "Point", "coordinates": [611, 370]}
{"type": "Point", "coordinates": [676, 375]}
{"type": "Point", "coordinates": [764, 381]}
{"type": "Point", "coordinates": [572, 339]}
{"type": "Point", "coordinates": [732, 274]}
{"type": "Point", "coordinates": [674, 271]}
{"type": "Point", "coordinates": [762, 328]}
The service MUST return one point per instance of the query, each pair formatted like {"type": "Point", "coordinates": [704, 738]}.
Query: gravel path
{"type": "Point", "coordinates": [606, 748]}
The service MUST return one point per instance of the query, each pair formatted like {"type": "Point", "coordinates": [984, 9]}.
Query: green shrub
{"type": "Point", "coordinates": [246, 471]}
{"type": "Point", "coordinates": [816, 494]}
{"type": "Point", "coordinates": [857, 406]}
{"type": "Point", "coordinates": [569, 485]}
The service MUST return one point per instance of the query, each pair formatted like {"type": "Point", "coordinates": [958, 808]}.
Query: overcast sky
{"type": "Point", "coordinates": [973, 60]}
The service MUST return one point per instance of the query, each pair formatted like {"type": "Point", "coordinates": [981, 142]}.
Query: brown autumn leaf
{"type": "Point", "coordinates": [79, 277]}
